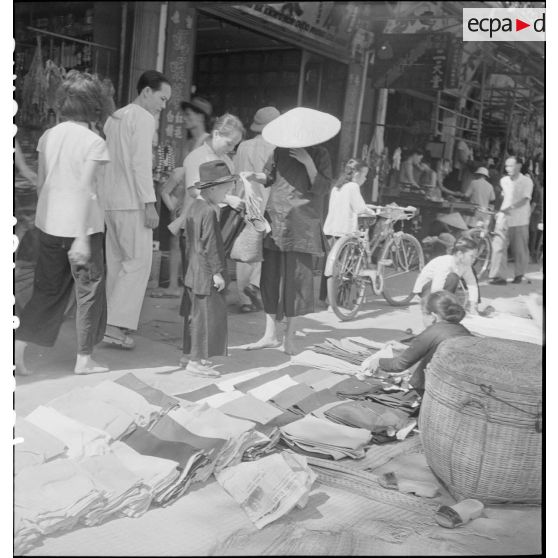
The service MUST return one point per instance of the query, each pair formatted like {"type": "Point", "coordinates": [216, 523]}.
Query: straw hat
{"type": "Point", "coordinates": [198, 104]}
{"type": "Point", "coordinates": [453, 220]}
{"type": "Point", "coordinates": [483, 171]}
{"type": "Point", "coordinates": [301, 127]}
{"type": "Point", "coordinates": [214, 173]}
{"type": "Point", "coordinates": [264, 116]}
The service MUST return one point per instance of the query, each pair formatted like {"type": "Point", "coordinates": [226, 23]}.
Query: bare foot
{"type": "Point", "coordinates": [86, 365]}
{"type": "Point", "coordinates": [288, 347]}
{"type": "Point", "coordinates": [264, 343]}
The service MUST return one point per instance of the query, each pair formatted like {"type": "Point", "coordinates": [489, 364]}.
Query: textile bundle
{"type": "Point", "coordinates": [116, 449]}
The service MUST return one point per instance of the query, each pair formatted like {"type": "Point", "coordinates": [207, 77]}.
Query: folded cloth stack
{"type": "Point", "coordinates": [80, 439]}
{"type": "Point", "coordinates": [269, 488]}
{"type": "Point", "coordinates": [370, 416]}
{"type": "Point", "coordinates": [82, 405]}
{"type": "Point", "coordinates": [54, 496]}
{"type": "Point", "coordinates": [145, 414]}
{"type": "Point", "coordinates": [124, 493]}
{"type": "Point", "coordinates": [252, 409]}
{"type": "Point", "coordinates": [26, 534]}
{"type": "Point", "coordinates": [314, 401]}
{"type": "Point", "coordinates": [321, 437]}
{"type": "Point", "coordinates": [157, 474]}
{"type": "Point", "coordinates": [325, 362]}
{"type": "Point", "coordinates": [343, 349]}
{"type": "Point", "coordinates": [406, 401]}
{"type": "Point", "coordinates": [186, 456]}
{"type": "Point", "coordinates": [37, 446]}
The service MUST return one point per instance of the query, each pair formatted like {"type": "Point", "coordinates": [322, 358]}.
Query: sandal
{"type": "Point", "coordinates": [201, 370]}
{"type": "Point", "coordinates": [125, 342]}
{"type": "Point", "coordinates": [420, 488]}
{"type": "Point", "coordinates": [459, 514]}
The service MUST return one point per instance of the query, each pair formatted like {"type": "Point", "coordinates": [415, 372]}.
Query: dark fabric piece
{"type": "Point", "coordinates": [352, 387]}
{"type": "Point", "coordinates": [149, 393]}
{"type": "Point", "coordinates": [422, 349]}
{"type": "Point", "coordinates": [208, 329]}
{"type": "Point", "coordinates": [282, 420]}
{"type": "Point", "coordinates": [397, 400]}
{"type": "Point", "coordinates": [42, 317]}
{"type": "Point", "coordinates": [147, 443]}
{"type": "Point", "coordinates": [205, 250]}
{"type": "Point", "coordinates": [287, 284]}
{"type": "Point", "coordinates": [231, 223]}
{"type": "Point", "coordinates": [295, 206]}
{"type": "Point", "coordinates": [365, 414]}
{"type": "Point", "coordinates": [316, 400]}
{"type": "Point", "coordinates": [293, 394]}
{"type": "Point", "coordinates": [295, 370]}
{"type": "Point", "coordinates": [260, 380]}
{"type": "Point", "coordinates": [168, 429]}
{"type": "Point", "coordinates": [201, 393]}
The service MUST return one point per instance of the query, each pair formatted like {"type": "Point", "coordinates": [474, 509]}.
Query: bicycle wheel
{"type": "Point", "coordinates": [345, 288]}
{"type": "Point", "coordinates": [482, 262]}
{"type": "Point", "coordinates": [401, 262]}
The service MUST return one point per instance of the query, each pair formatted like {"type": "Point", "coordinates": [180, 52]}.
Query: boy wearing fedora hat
{"type": "Point", "coordinates": [206, 275]}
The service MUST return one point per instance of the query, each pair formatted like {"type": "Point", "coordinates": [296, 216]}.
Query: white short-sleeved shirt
{"type": "Point", "coordinates": [436, 271]}
{"type": "Point", "coordinates": [345, 204]}
{"type": "Point", "coordinates": [66, 148]}
{"type": "Point", "coordinates": [514, 190]}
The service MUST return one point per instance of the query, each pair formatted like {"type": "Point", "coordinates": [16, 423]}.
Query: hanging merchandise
{"type": "Point", "coordinates": [34, 89]}
{"type": "Point", "coordinates": [165, 162]}
{"type": "Point", "coordinates": [53, 76]}
{"type": "Point", "coordinates": [396, 161]}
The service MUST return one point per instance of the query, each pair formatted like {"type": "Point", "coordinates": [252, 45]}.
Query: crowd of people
{"type": "Point", "coordinates": [97, 211]}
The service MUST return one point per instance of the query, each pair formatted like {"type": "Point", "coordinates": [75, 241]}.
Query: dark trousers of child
{"type": "Point", "coordinates": [451, 283]}
{"type": "Point", "coordinates": [42, 317]}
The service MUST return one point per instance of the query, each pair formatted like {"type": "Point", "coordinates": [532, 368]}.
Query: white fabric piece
{"type": "Point", "coordinates": [266, 391]}
{"type": "Point", "coordinates": [505, 326]}
{"type": "Point", "coordinates": [80, 439]}
{"type": "Point", "coordinates": [220, 399]}
{"type": "Point", "coordinates": [202, 420]}
{"type": "Point", "coordinates": [316, 360]}
{"type": "Point", "coordinates": [128, 400]}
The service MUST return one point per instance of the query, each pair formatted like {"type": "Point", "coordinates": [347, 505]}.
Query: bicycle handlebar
{"type": "Point", "coordinates": [405, 212]}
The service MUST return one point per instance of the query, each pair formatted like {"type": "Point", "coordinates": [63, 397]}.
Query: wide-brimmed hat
{"type": "Point", "coordinates": [483, 171]}
{"type": "Point", "coordinates": [264, 116]}
{"type": "Point", "coordinates": [301, 127]}
{"type": "Point", "coordinates": [198, 104]}
{"type": "Point", "coordinates": [214, 173]}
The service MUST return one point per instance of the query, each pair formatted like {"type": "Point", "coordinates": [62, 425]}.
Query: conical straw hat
{"type": "Point", "coordinates": [301, 127]}
{"type": "Point", "coordinates": [453, 220]}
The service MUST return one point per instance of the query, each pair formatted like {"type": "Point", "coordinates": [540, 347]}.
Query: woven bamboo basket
{"type": "Point", "coordinates": [481, 419]}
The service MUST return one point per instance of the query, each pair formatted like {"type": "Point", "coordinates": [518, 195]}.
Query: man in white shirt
{"type": "Point", "coordinates": [252, 155]}
{"type": "Point", "coordinates": [129, 202]}
{"type": "Point", "coordinates": [512, 224]}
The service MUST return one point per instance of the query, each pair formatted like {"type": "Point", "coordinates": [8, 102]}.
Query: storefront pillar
{"type": "Point", "coordinates": [145, 39]}
{"type": "Point", "coordinates": [350, 112]}
{"type": "Point", "coordinates": [178, 67]}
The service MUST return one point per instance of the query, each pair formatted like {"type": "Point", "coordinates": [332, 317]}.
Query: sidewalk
{"type": "Point", "coordinates": [189, 527]}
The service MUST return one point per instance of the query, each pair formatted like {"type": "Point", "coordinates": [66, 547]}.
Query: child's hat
{"type": "Point", "coordinates": [214, 173]}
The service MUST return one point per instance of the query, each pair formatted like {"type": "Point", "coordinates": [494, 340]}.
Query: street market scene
{"type": "Point", "coordinates": [279, 279]}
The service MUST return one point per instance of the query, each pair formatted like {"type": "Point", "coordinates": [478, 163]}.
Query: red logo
{"type": "Point", "coordinates": [519, 25]}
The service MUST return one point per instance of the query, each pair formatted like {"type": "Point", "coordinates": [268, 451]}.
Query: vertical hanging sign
{"type": "Point", "coordinates": [178, 67]}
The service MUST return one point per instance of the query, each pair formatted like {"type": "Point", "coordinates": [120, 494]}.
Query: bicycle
{"type": "Point", "coordinates": [482, 234]}
{"type": "Point", "coordinates": [350, 267]}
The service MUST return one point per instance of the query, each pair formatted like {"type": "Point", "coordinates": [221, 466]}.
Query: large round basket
{"type": "Point", "coordinates": [481, 419]}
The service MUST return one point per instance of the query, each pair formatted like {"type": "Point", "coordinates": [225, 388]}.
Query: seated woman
{"type": "Point", "coordinates": [441, 314]}
{"type": "Point", "coordinates": [445, 273]}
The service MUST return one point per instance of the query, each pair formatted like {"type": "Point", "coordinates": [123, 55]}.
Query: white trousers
{"type": "Point", "coordinates": [247, 274]}
{"type": "Point", "coordinates": [129, 251]}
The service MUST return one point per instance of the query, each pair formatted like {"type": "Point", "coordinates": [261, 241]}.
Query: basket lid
{"type": "Point", "coordinates": [512, 366]}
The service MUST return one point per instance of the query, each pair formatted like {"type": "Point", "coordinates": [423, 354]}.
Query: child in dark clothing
{"type": "Point", "coordinates": [206, 275]}
{"type": "Point", "coordinates": [442, 314]}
